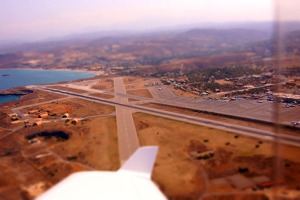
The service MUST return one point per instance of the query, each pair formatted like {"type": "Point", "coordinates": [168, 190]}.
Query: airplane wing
{"type": "Point", "coordinates": [131, 181]}
{"type": "Point", "coordinates": [141, 162]}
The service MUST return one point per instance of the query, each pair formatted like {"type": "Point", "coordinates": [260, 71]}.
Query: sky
{"type": "Point", "coordinates": [40, 19]}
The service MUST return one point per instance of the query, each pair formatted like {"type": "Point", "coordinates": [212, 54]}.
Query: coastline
{"type": "Point", "coordinates": [97, 73]}
{"type": "Point", "coordinates": [18, 90]}
{"type": "Point", "coordinates": [21, 90]}
{"type": "Point", "coordinates": [13, 94]}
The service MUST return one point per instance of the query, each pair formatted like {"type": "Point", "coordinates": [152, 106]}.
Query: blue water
{"type": "Point", "coordinates": [8, 98]}
{"type": "Point", "coordinates": [22, 77]}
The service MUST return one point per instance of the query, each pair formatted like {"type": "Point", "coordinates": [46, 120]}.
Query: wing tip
{"type": "Point", "coordinates": [141, 161]}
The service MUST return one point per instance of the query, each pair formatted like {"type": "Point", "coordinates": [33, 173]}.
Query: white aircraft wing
{"type": "Point", "coordinates": [132, 181]}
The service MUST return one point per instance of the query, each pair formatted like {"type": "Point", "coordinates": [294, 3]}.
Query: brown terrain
{"type": "Point", "coordinates": [36, 157]}
{"type": "Point", "coordinates": [282, 130]}
{"type": "Point", "coordinates": [193, 161]}
{"type": "Point", "coordinates": [68, 89]}
{"type": "Point", "coordinates": [75, 107]}
{"type": "Point", "coordinates": [104, 96]}
{"type": "Point", "coordinates": [140, 93]}
{"type": "Point", "coordinates": [185, 154]}
{"type": "Point", "coordinates": [105, 84]}
{"type": "Point", "coordinates": [144, 54]}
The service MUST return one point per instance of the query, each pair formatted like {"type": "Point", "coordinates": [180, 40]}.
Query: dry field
{"type": "Point", "coordinates": [74, 106]}
{"type": "Point", "coordinates": [183, 93]}
{"type": "Point", "coordinates": [68, 89]}
{"type": "Point", "coordinates": [135, 86]}
{"type": "Point", "coordinates": [27, 169]}
{"type": "Point", "coordinates": [181, 176]}
{"type": "Point", "coordinates": [223, 82]}
{"type": "Point", "coordinates": [140, 93]}
{"type": "Point", "coordinates": [174, 172]}
{"type": "Point", "coordinates": [104, 96]}
{"type": "Point", "coordinates": [132, 79]}
{"type": "Point", "coordinates": [94, 144]}
{"type": "Point", "coordinates": [16, 172]}
{"type": "Point", "coordinates": [104, 84]}
{"type": "Point", "coordinates": [132, 83]}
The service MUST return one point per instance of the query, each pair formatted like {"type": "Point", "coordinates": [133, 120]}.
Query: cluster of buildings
{"type": "Point", "coordinates": [35, 118]}
{"type": "Point", "coordinates": [247, 83]}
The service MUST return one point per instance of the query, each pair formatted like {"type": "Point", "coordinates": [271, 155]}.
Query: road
{"type": "Point", "coordinates": [127, 135]}
{"type": "Point", "coordinates": [248, 109]}
{"type": "Point", "coordinates": [253, 132]}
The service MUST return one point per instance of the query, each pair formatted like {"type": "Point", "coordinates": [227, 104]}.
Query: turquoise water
{"type": "Point", "coordinates": [10, 78]}
{"type": "Point", "coordinates": [21, 77]}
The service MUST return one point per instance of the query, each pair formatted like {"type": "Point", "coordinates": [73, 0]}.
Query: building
{"type": "Point", "coordinates": [66, 115]}
{"type": "Point", "coordinates": [33, 111]}
{"type": "Point", "coordinates": [75, 121]}
{"type": "Point", "coordinates": [14, 118]}
{"type": "Point", "coordinates": [43, 115]}
{"type": "Point", "coordinates": [37, 123]}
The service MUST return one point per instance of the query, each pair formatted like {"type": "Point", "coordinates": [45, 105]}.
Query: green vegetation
{"type": "Point", "coordinates": [222, 73]}
{"type": "Point", "coordinates": [205, 79]}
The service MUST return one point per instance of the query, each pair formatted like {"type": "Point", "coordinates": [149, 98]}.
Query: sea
{"type": "Point", "coordinates": [10, 78]}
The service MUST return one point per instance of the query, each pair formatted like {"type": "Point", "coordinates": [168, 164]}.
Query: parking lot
{"type": "Point", "coordinates": [248, 108]}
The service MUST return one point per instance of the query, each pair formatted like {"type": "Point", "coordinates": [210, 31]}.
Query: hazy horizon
{"type": "Point", "coordinates": [32, 20]}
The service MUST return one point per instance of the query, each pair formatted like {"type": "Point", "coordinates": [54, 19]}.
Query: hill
{"type": "Point", "coordinates": [153, 52]}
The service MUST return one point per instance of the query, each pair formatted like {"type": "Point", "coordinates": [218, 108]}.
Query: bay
{"type": "Point", "coordinates": [7, 98]}
{"type": "Point", "coordinates": [10, 78]}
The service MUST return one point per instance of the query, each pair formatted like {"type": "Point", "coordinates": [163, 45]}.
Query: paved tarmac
{"type": "Point", "coordinates": [258, 133]}
{"type": "Point", "coordinates": [264, 111]}
{"type": "Point", "coordinates": [127, 135]}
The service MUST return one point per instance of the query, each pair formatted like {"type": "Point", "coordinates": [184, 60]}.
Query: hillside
{"type": "Point", "coordinates": [152, 53]}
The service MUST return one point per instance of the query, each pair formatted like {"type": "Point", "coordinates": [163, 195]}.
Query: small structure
{"type": "Point", "coordinates": [13, 115]}
{"type": "Point", "coordinates": [37, 123]}
{"type": "Point", "coordinates": [14, 118]}
{"type": "Point", "coordinates": [42, 115]}
{"type": "Point", "coordinates": [26, 124]}
{"type": "Point", "coordinates": [66, 115]}
{"type": "Point", "coordinates": [202, 155]}
{"type": "Point", "coordinates": [256, 76]}
{"type": "Point", "coordinates": [75, 121]}
{"type": "Point", "coordinates": [33, 111]}
{"type": "Point", "coordinates": [34, 140]}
